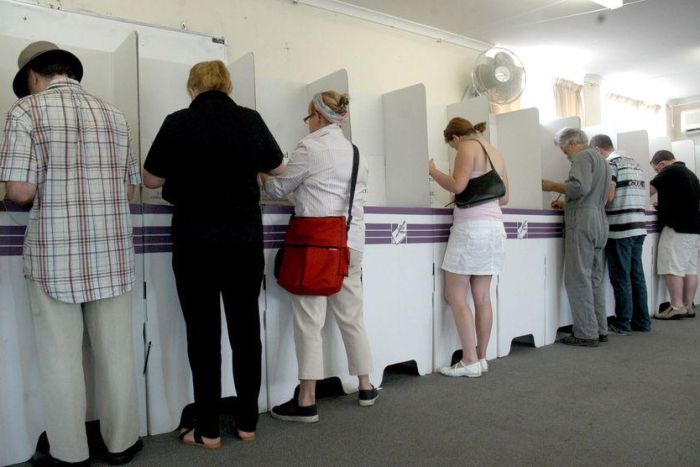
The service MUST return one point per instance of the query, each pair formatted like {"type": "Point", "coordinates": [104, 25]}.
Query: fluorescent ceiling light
{"type": "Point", "coordinates": [612, 4]}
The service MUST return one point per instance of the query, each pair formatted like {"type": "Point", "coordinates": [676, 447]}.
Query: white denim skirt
{"type": "Point", "coordinates": [476, 248]}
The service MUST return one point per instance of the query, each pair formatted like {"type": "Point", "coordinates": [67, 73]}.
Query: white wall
{"type": "Point", "coordinates": [299, 43]}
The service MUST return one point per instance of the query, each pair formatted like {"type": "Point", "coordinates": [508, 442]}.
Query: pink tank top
{"type": "Point", "coordinates": [489, 211]}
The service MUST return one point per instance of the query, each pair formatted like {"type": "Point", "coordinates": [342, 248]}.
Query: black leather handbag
{"type": "Point", "coordinates": [482, 188]}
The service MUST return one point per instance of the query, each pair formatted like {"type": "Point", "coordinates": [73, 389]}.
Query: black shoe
{"type": "Point", "coordinates": [640, 328]}
{"type": "Point", "coordinates": [367, 397]}
{"type": "Point", "coordinates": [49, 461]}
{"type": "Point", "coordinates": [120, 458]}
{"type": "Point", "coordinates": [602, 337]}
{"type": "Point", "coordinates": [290, 411]}
{"type": "Point", "coordinates": [614, 329]}
{"type": "Point", "coordinates": [573, 340]}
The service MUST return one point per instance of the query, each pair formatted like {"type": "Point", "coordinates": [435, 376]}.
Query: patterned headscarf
{"type": "Point", "coordinates": [328, 113]}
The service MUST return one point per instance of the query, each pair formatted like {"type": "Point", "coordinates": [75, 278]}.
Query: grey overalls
{"type": "Point", "coordinates": [585, 235]}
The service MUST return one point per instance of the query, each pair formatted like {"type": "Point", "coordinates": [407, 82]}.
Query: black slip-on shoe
{"type": "Point", "coordinates": [602, 337]}
{"type": "Point", "coordinates": [367, 397]}
{"type": "Point", "coordinates": [615, 330]}
{"type": "Point", "coordinates": [573, 340]}
{"type": "Point", "coordinates": [290, 411]}
{"type": "Point", "coordinates": [124, 457]}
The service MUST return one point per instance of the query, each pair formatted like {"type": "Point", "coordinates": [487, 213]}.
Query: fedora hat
{"type": "Point", "coordinates": [45, 50]}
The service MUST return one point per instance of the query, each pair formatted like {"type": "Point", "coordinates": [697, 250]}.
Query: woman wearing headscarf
{"type": "Point", "coordinates": [318, 174]}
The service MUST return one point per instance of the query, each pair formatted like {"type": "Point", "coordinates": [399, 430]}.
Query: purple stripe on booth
{"type": "Point", "coordinates": [157, 209]}
{"type": "Point", "coordinates": [153, 239]}
{"type": "Point", "coordinates": [10, 251]}
{"type": "Point", "coordinates": [378, 241]}
{"type": "Point", "coordinates": [371, 226]}
{"type": "Point", "coordinates": [12, 229]}
{"type": "Point", "coordinates": [153, 230]}
{"type": "Point", "coordinates": [276, 209]}
{"type": "Point", "coordinates": [428, 226]}
{"type": "Point", "coordinates": [413, 211]}
{"type": "Point", "coordinates": [275, 228]}
{"type": "Point", "coordinates": [158, 248]}
{"type": "Point", "coordinates": [13, 240]}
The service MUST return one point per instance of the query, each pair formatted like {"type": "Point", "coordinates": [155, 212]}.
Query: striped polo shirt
{"type": "Point", "coordinates": [626, 215]}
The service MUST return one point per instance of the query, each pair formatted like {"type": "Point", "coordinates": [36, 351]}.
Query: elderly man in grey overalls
{"type": "Point", "coordinates": [585, 235]}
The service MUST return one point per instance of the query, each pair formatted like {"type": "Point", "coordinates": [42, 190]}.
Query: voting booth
{"type": "Point", "coordinates": [143, 70]}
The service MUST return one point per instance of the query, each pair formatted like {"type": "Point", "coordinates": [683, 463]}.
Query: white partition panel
{"type": "Point", "coordinates": [555, 165]}
{"type": "Point", "coordinates": [521, 286]}
{"type": "Point", "coordinates": [635, 144]}
{"type": "Point", "coordinates": [658, 143]}
{"type": "Point", "coordinates": [243, 78]}
{"type": "Point", "coordinates": [20, 382]}
{"type": "Point", "coordinates": [126, 84]}
{"type": "Point", "coordinates": [517, 136]}
{"type": "Point", "coordinates": [476, 110]}
{"type": "Point", "coordinates": [406, 147]}
{"type": "Point", "coordinates": [369, 138]}
{"type": "Point", "coordinates": [591, 131]}
{"type": "Point", "coordinates": [338, 82]}
{"type": "Point", "coordinates": [684, 150]}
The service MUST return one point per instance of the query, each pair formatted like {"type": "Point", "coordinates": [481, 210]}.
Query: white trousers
{"type": "Point", "coordinates": [58, 330]}
{"type": "Point", "coordinates": [346, 306]}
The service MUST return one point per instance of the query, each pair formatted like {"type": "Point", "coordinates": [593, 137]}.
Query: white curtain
{"type": "Point", "coordinates": [628, 114]}
{"type": "Point", "coordinates": [568, 99]}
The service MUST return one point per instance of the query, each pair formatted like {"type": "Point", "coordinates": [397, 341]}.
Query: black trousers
{"type": "Point", "coordinates": [204, 272]}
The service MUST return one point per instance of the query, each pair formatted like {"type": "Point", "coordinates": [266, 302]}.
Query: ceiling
{"type": "Point", "coordinates": [648, 49]}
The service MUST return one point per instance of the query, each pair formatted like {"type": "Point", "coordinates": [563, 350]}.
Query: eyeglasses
{"type": "Point", "coordinates": [306, 119]}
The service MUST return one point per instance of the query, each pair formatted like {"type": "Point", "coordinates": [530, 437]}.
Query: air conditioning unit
{"type": "Point", "coordinates": [690, 121]}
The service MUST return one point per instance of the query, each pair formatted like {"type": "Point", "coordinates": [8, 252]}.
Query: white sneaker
{"type": "Point", "coordinates": [484, 365]}
{"type": "Point", "coordinates": [460, 369]}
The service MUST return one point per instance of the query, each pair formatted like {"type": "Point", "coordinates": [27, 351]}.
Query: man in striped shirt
{"type": "Point", "coordinates": [626, 216]}
{"type": "Point", "coordinates": [69, 154]}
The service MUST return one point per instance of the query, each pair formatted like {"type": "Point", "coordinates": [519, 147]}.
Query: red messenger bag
{"type": "Point", "coordinates": [315, 257]}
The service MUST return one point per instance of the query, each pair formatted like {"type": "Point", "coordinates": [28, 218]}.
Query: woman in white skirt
{"type": "Point", "coordinates": [476, 246]}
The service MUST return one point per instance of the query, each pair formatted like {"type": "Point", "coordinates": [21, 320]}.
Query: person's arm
{"type": "Point", "coordinates": [503, 200]}
{"type": "Point", "coordinates": [464, 165]}
{"type": "Point", "coordinates": [20, 192]}
{"type": "Point", "coordinates": [580, 178]}
{"type": "Point", "coordinates": [550, 185]}
{"type": "Point", "coordinates": [159, 160]}
{"type": "Point", "coordinates": [269, 153]}
{"type": "Point", "coordinates": [19, 166]}
{"type": "Point", "coordinates": [296, 170]}
{"type": "Point", "coordinates": [611, 195]}
{"type": "Point", "coordinates": [152, 181]}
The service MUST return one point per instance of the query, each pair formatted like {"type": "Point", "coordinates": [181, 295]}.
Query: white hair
{"type": "Point", "coordinates": [566, 136]}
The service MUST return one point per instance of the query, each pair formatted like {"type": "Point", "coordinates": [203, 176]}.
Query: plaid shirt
{"type": "Point", "coordinates": [76, 149]}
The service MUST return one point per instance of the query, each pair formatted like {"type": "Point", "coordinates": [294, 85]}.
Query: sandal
{"type": "Point", "coordinates": [249, 435]}
{"type": "Point", "coordinates": [197, 439]}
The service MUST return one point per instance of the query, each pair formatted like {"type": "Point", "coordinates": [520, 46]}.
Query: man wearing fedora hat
{"type": "Point", "coordinates": [70, 154]}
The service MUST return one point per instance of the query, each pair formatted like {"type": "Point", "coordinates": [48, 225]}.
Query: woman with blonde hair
{"type": "Point", "coordinates": [207, 158]}
{"type": "Point", "coordinates": [476, 245]}
{"type": "Point", "coordinates": [319, 175]}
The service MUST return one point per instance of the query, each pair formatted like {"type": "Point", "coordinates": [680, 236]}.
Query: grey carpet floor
{"type": "Point", "coordinates": [632, 401]}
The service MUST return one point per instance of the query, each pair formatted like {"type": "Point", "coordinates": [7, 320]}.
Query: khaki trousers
{"type": "Point", "coordinates": [310, 316]}
{"type": "Point", "coordinates": [58, 330]}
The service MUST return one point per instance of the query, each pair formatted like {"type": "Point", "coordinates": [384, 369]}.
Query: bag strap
{"type": "Point", "coordinates": [487, 154]}
{"type": "Point", "coordinates": [353, 182]}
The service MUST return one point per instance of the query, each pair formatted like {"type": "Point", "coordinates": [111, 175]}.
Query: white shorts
{"type": "Point", "coordinates": [475, 248]}
{"type": "Point", "coordinates": [677, 253]}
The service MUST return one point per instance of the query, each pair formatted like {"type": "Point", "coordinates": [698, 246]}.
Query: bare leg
{"type": "Point", "coordinates": [364, 382]}
{"type": "Point", "coordinates": [307, 392]}
{"type": "Point", "coordinates": [674, 284]}
{"type": "Point", "coordinates": [690, 286]}
{"type": "Point", "coordinates": [481, 293]}
{"type": "Point", "coordinates": [456, 295]}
